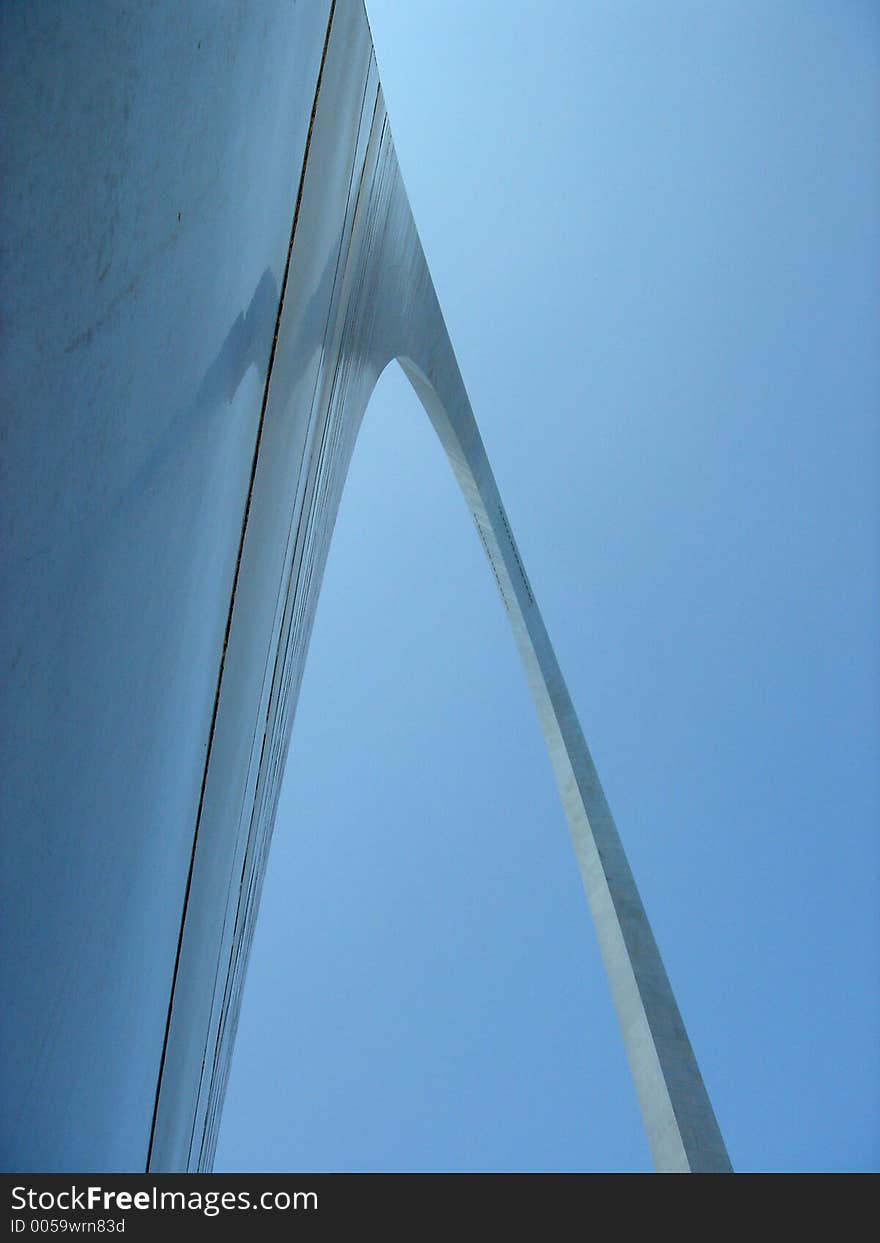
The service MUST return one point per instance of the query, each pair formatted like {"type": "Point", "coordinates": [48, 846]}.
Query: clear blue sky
{"type": "Point", "coordinates": [655, 234]}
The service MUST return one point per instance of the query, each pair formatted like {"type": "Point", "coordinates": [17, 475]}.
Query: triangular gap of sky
{"type": "Point", "coordinates": [425, 991]}
{"type": "Point", "coordinates": [655, 235]}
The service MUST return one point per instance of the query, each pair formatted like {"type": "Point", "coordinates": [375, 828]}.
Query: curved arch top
{"type": "Point", "coordinates": [257, 440]}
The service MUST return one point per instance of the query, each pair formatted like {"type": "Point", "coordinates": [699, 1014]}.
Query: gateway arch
{"type": "Point", "coordinates": [210, 259]}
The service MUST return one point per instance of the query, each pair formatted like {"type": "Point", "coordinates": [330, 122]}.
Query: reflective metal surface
{"type": "Point", "coordinates": [178, 442]}
{"type": "Point", "coordinates": [150, 166]}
